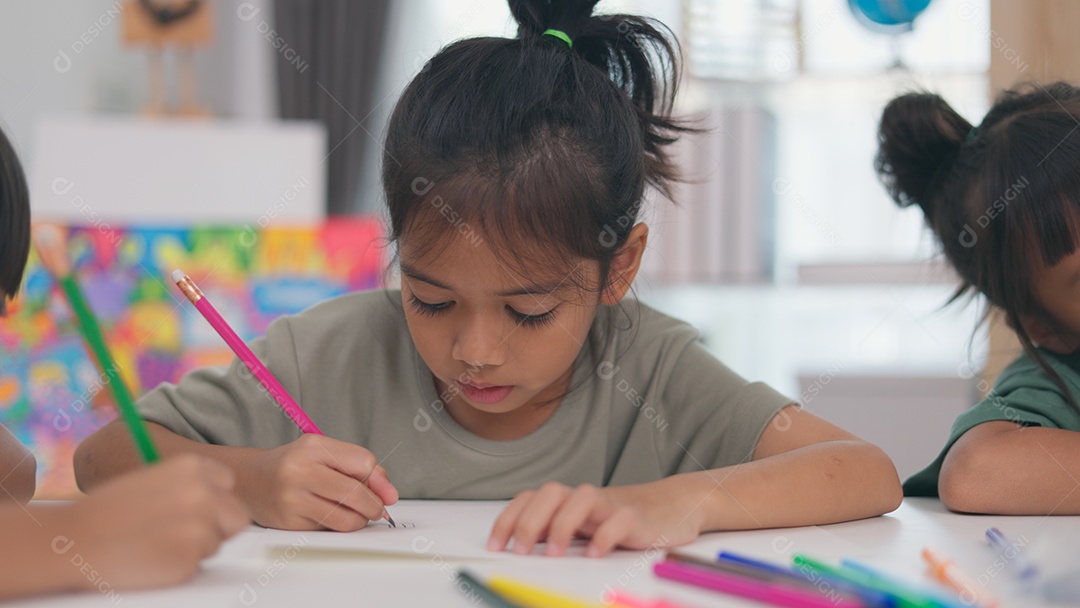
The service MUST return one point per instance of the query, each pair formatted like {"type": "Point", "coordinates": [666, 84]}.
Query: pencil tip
{"type": "Point", "coordinates": [391, 520]}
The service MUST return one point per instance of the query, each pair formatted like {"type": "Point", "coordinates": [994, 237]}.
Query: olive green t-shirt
{"type": "Point", "coordinates": [646, 401]}
{"type": "Point", "coordinates": [1023, 394]}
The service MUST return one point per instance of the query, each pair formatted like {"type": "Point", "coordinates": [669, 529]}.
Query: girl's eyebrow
{"type": "Point", "coordinates": [524, 290]}
{"type": "Point", "coordinates": [412, 273]}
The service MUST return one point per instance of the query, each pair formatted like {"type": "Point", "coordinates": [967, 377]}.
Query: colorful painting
{"type": "Point", "coordinates": [51, 393]}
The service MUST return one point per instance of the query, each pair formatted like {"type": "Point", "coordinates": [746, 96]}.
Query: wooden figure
{"type": "Point", "coordinates": [159, 25]}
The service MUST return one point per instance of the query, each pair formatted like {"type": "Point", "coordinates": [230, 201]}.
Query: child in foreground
{"type": "Point", "coordinates": [144, 529]}
{"type": "Point", "coordinates": [1003, 199]}
{"type": "Point", "coordinates": [511, 364]}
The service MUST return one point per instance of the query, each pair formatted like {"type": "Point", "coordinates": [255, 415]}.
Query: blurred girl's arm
{"type": "Point", "coordinates": [147, 529]}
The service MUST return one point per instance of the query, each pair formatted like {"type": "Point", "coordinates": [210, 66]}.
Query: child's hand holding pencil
{"type": "Point", "coordinates": [148, 528]}
{"type": "Point", "coordinates": [316, 483]}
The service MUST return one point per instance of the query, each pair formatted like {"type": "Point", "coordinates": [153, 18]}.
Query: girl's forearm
{"type": "Point", "coordinates": [822, 483]}
{"type": "Point", "coordinates": [110, 452]}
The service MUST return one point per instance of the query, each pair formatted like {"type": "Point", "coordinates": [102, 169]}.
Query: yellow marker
{"type": "Point", "coordinates": [529, 596]}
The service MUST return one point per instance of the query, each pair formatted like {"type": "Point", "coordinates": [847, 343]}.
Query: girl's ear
{"type": "Point", "coordinates": [1043, 333]}
{"type": "Point", "coordinates": [625, 265]}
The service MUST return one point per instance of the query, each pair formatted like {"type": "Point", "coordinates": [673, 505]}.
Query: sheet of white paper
{"type": "Point", "coordinates": [452, 531]}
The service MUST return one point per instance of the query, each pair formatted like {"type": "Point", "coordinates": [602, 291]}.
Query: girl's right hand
{"type": "Point", "coordinates": [316, 483]}
{"type": "Point", "coordinates": [148, 528]}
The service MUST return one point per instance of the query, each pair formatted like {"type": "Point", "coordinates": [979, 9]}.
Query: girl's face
{"type": "Point", "coordinates": [1057, 289]}
{"type": "Point", "coordinates": [496, 341]}
{"type": "Point", "coordinates": [500, 344]}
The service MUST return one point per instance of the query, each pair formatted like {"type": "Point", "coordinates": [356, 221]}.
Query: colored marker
{"type": "Point", "coordinates": [529, 596]}
{"type": "Point", "coordinates": [1025, 569]}
{"type": "Point", "coordinates": [470, 585]}
{"type": "Point", "coordinates": [945, 571]}
{"type": "Point", "coordinates": [625, 600]}
{"type": "Point", "coordinates": [269, 382]}
{"type": "Point", "coordinates": [902, 595]}
{"type": "Point", "coordinates": [749, 561]}
{"type": "Point", "coordinates": [869, 596]}
{"type": "Point", "coordinates": [53, 254]}
{"type": "Point", "coordinates": [929, 594]}
{"type": "Point", "coordinates": [776, 594]}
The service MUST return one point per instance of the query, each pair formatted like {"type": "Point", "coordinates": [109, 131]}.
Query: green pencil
{"type": "Point", "coordinates": [91, 331]}
{"type": "Point", "coordinates": [54, 257]}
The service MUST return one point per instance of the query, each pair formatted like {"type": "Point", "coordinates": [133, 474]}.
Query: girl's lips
{"type": "Point", "coordinates": [489, 395]}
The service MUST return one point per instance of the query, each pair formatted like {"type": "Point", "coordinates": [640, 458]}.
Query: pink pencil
{"type": "Point", "coordinates": [242, 351]}
{"type": "Point", "coordinates": [278, 392]}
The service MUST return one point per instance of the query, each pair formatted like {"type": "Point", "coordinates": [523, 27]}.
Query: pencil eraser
{"type": "Point", "coordinates": [177, 275]}
{"type": "Point", "coordinates": [47, 234]}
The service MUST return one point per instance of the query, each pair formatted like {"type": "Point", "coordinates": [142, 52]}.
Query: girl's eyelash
{"type": "Point", "coordinates": [424, 308]}
{"type": "Point", "coordinates": [431, 310]}
{"type": "Point", "coordinates": [534, 320]}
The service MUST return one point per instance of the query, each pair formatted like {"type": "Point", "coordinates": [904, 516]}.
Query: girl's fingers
{"type": "Point", "coordinates": [331, 515]}
{"type": "Point", "coordinates": [584, 505]}
{"type": "Point", "coordinates": [345, 491]}
{"type": "Point", "coordinates": [619, 527]}
{"type": "Point", "coordinates": [532, 524]}
{"type": "Point", "coordinates": [381, 486]}
{"type": "Point", "coordinates": [231, 516]}
{"type": "Point", "coordinates": [349, 459]}
{"type": "Point", "coordinates": [507, 521]}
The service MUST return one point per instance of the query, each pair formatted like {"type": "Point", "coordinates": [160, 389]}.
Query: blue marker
{"type": "Point", "coordinates": [1025, 569]}
{"type": "Point", "coordinates": [869, 597]}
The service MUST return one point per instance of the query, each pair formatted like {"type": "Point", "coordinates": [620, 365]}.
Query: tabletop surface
{"type": "Point", "coordinates": [414, 565]}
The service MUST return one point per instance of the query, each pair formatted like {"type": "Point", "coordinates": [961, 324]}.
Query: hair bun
{"type": "Point", "coordinates": [535, 16]}
{"type": "Point", "coordinates": [918, 141]}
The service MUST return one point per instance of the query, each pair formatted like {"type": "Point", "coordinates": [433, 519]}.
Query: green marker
{"type": "Point", "coordinates": [905, 598]}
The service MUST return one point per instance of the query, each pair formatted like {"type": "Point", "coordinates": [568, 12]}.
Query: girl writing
{"type": "Point", "coordinates": [510, 364]}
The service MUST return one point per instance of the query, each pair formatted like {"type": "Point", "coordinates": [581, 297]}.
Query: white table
{"type": "Point", "coordinates": [247, 573]}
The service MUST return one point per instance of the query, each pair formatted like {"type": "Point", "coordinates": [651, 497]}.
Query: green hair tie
{"type": "Point", "coordinates": [561, 35]}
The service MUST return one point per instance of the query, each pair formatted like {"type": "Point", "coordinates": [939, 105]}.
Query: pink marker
{"type": "Point", "coordinates": [774, 594]}
{"type": "Point", "coordinates": [278, 392]}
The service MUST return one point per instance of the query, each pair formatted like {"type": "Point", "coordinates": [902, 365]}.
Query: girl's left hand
{"type": "Point", "coordinates": [631, 517]}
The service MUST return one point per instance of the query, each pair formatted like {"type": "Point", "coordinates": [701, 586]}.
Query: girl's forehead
{"type": "Point", "coordinates": [466, 265]}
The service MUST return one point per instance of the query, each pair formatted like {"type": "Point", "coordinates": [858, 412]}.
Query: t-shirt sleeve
{"type": "Point", "coordinates": [1023, 405]}
{"type": "Point", "coordinates": [228, 405]}
{"type": "Point", "coordinates": [716, 416]}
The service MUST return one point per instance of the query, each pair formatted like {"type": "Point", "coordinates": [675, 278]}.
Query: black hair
{"type": "Point", "coordinates": [14, 221]}
{"type": "Point", "coordinates": [1002, 198]}
{"type": "Point", "coordinates": [537, 146]}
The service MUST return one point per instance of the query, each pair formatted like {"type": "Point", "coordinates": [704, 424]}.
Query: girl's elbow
{"type": "Point", "coordinates": [891, 493]}
{"type": "Point", "coordinates": [966, 482]}
{"type": "Point", "coordinates": [24, 483]}
{"type": "Point", "coordinates": [83, 462]}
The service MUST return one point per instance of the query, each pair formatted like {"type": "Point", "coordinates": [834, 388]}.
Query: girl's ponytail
{"type": "Point", "coordinates": [638, 54]}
